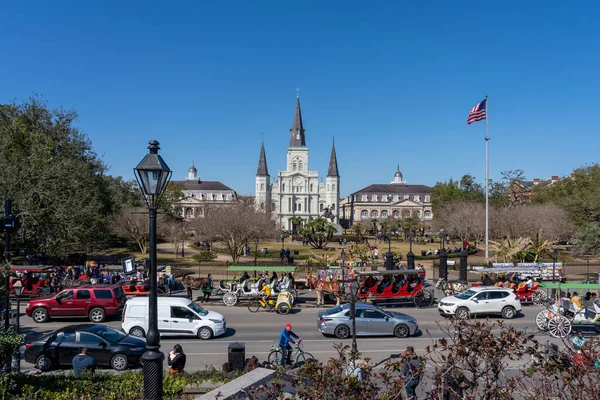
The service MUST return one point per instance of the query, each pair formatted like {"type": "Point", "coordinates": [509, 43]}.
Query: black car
{"type": "Point", "coordinates": [108, 346]}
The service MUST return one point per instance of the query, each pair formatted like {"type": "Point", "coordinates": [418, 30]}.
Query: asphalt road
{"type": "Point", "coordinates": [259, 331]}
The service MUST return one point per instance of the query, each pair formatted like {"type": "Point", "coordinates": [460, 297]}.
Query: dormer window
{"type": "Point", "coordinates": [417, 198]}
{"type": "Point", "coordinates": [374, 197]}
{"type": "Point", "coordinates": [406, 196]}
{"type": "Point", "coordinates": [427, 199]}
{"type": "Point", "coordinates": [364, 197]}
{"type": "Point", "coordinates": [396, 198]}
{"type": "Point", "coordinates": [384, 197]}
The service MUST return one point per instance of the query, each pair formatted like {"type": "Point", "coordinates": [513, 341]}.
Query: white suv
{"type": "Point", "coordinates": [481, 300]}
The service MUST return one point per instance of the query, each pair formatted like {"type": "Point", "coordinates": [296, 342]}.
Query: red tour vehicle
{"type": "Point", "coordinates": [136, 288]}
{"type": "Point", "coordinates": [35, 279]}
{"type": "Point", "coordinates": [397, 284]}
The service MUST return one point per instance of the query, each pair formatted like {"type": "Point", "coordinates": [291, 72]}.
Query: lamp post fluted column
{"type": "Point", "coordinates": [153, 175]}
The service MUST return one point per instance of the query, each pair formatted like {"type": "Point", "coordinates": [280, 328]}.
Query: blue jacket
{"type": "Point", "coordinates": [82, 362]}
{"type": "Point", "coordinates": [286, 337]}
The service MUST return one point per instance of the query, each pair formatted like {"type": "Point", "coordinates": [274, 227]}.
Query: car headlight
{"type": "Point", "coordinates": [412, 321]}
{"type": "Point", "coordinates": [216, 321]}
{"type": "Point", "coordinates": [447, 304]}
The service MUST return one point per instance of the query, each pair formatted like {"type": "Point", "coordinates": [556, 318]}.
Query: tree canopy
{"type": "Point", "coordinates": [60, 192]}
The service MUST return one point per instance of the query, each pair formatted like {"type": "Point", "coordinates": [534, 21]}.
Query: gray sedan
{"type": "Point", "coordinates": [370, 320]}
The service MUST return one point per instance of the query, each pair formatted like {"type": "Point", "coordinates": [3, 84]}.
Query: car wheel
{"type": "Point", "coordinates": [342, 332]}
{"type": "Point", "coordinates": [119, 362]}
{"type": "Point", "coordinates": [462, 313]}
{"type": "Point", "coordinates": [205, 333]}
{"type": "Point", "coordinates": [43, 363]}
{"type": "Point", "coordinates": [508, 312]}
{"type": "Point", "coordinates": [97, 315]}
{"type": "Point", "coordinates": [137, 332]}
{"type": "Point", "coordinates": [40, 315]}
{"type": "Point", "coordinates": [401, 331]}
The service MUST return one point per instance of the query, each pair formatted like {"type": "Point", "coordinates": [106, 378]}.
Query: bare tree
{"type": "Point", "coordinates": [462, 219]}
{"type": "Point", "coordinates": [542, 221]}
{"type": "Point", "coordinates": [234, 225]}
{"type": "Point", "coordinates": [176, 232]}
{"type": "Point", "coordinates": [132, 224]}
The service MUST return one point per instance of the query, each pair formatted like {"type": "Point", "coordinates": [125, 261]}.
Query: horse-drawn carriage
{"type": "Point", "coordinates": [399, 284]}
{"type": "Point", "coordinates": [36, 280]}
{"type": "Point", "coordinates": [237, 289]}
{"type": "Point", "coordinates": [522, 280]}
{"type": "Point", "coordinates": [559, 317]}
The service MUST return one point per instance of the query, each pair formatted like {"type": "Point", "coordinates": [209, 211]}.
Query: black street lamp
{"type": "Point", "coordinates": [554, 258]}
{"type": "Point", "coordinates": [153, 176]}
{"type": "Point", "coordinates": [442, 236]}
{"type": "Point", "coordinates": [343, 257]}
{"type": "Point", "coordinates": [255, 249]}
{"type": "Point", "coordinates": [410, 257]}
{"type": "Point", "coordinates": [282, 239]}
{"type": "Point", "coordinates": [354, 289]}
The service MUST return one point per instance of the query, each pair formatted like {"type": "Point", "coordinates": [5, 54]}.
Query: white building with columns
{"type": "Point", "coordinates": [296, 191]}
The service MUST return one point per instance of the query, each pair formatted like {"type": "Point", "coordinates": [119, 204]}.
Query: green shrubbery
{"type": "Point", "coordinates": [204, 256]}
{"type": "Point", "coordinates": [105, 386]}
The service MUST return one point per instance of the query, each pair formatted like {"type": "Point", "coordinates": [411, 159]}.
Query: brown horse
{"type": "Point", "coordinates": [195, 283]}
{"type": "Point", "coordinates": [324, 287]}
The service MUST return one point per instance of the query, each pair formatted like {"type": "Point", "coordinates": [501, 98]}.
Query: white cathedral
{"type": "Point", "coordinates": [297, 192]}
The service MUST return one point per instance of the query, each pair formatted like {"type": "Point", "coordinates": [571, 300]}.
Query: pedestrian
{"type": "Point", "coordinates": [207, 289]}
{"type": "Point", "coordinates": [83, 362]}
{"type": "Point", "coordinates": [285, 338]}
{"type": "Point", "coordinates": [176, 360]}
{"type": "Point", "coordinates": [171, 281]}
{"type": "Point", "coordinates": [411, 371]}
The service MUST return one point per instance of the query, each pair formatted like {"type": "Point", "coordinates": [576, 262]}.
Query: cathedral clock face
{"type": "Point", "coordinates": [298, 180]}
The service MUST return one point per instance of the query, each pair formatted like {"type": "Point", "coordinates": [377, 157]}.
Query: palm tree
{"type": "Point", "coordinates": [511, 250]}
{"type": "Point", "coordinates": [297, 223]}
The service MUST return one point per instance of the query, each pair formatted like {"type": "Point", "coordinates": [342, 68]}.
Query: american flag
{"type": "Point", "coordinates": [477, 113]}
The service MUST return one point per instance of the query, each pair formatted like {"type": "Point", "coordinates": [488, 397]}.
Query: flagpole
{"type": "Point", "coordinates": [487, 176]}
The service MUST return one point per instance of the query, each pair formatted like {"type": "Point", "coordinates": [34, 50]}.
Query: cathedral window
{"type": "Point", "coordinates": [283, 187]}
{"type": "Point", "coordinates": [300, 166]}
{"type": "Point", "coordinates": [328, 188]}
{"type": "Point", "coordinates": [311, 187]}
{"type": "Point", "coordinates": [294, 166]}
{"type": "Point", "coordinates": [364, 214]}
{"type": "Point", "coordinates": [262, 186]}
{"type": "Point", "coordinates": [333, 188]}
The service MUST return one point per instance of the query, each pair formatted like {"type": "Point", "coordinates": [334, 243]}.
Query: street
{"type": "Point", "coordinates": [259, 331]}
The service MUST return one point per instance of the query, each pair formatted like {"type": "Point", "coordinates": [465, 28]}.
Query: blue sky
{"type": "Point", "coordinates": [393, 81]}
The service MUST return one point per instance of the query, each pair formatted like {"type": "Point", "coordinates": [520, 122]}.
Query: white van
{"type": "Point", "coordinates": [176, 316]}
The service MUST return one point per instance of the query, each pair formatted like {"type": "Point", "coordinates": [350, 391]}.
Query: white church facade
{"type": "Point", "coordinates": [297, 191]}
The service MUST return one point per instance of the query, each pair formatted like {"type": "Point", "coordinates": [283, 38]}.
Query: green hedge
{"type": "Point", "coordinates": [106, 386]}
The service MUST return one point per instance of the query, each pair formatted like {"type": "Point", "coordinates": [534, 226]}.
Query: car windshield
{"type": "Point", "coordinates": [199, 310]}
{"type": "Point", "coordinates": [333, 310]}
{"type": "Point", "coordinates": [109, 334]}
{"type": "Point", "coordinates": [465, 295]}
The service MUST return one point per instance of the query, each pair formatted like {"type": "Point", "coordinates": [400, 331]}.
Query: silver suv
{"type": "Point", "coordinates": [481, 300]}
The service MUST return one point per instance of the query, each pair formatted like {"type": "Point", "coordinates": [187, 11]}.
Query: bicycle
{"type": "Point", "coordinates": [301, 357]}
{"type": "Point", "coordinates": [258, 303]}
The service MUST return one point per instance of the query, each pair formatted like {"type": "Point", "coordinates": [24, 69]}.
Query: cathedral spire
{"type": "Point", "coordinates": [262, 163]}
{"type": "Point", "coordinates": [333, 166]}
{"type": "Point", "coordinates": [297, 138]}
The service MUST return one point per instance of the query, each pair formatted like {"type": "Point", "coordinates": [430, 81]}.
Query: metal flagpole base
{"type": "Point", "coordinates": [153, 374]}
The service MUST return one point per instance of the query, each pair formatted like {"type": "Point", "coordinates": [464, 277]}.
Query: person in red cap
{"type": "Point", "coordinates": [287, 337]}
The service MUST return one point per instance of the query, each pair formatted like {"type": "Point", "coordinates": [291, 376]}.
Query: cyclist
{"type": "Point", "coordinates": [265, 293]}
{"type": "Point", "coordinates": [285, 338]}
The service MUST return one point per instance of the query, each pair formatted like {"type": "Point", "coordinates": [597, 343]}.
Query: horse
{"type": "Point", "coordinates": [450, 289]}
{"type": "Point", "coordinates": [195, 283]}
{"type": "Point", "coordinates": [322, 287]}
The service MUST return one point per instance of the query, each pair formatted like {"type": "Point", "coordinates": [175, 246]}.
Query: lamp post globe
{"type": "Point", "coordinates": [152, 175]}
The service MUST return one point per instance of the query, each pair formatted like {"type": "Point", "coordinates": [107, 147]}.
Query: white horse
{"type": "Point", "coordinates": [450, 289]}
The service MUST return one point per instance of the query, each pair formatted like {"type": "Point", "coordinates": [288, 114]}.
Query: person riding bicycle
{"type": "Point", "coordinates": [285, 338]}
{"type": "Point", "coordinates": [265, 293]}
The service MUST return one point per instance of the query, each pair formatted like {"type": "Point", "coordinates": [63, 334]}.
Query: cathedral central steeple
{"type": "Point", "coordinates": [297, 138]}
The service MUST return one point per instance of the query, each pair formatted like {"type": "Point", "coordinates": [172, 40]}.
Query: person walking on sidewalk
{"type": "Point", "coordinates": [411, 371]}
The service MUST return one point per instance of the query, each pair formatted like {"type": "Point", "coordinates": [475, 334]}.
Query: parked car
{"type": "Point", "coordinates": [370, 320]}
{"type": "Point", "coordinates": [481, 300]}
{"type": "Point", "coordinates": [95, 302]}
{"type": "Point", "coordinates": [177, 316]}
{"type": "Point", "coordinates": [108, 346]}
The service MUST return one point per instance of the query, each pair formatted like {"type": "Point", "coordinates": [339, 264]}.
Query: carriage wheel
{"type": "Point", "coordinates": [539, 298]}
{"type": "Point", "coordinates": [559, 326]}
{"type": "Point", "coordinates": [423, 298]}
{"type": "Point", "coordinates": [541, 320]}
{"type": "Point", "coordinates": [230, 299]}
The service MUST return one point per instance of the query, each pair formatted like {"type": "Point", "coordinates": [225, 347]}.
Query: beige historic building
{"type": "Point", "coordinates": [199, 194]}
{"type": "Point", "coordinates": [396, 199]}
